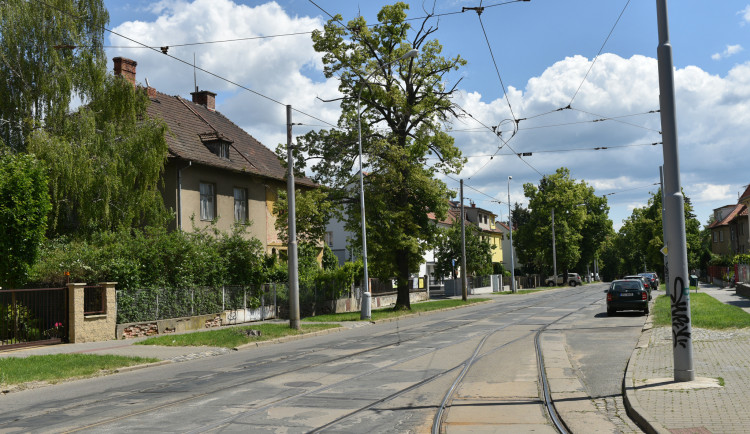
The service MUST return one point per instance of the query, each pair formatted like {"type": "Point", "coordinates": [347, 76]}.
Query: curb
{"type": "Point", "coordinates": [142, 366]}
{"type": "Point", "coordinates": [632, 407]}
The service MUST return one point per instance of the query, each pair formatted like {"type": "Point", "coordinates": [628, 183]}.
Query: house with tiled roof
{"type": "Point", "coordinates": [729, 230]}
{"type": "Point", "coordinates": [485, 221]}
{"type": "Point", "coordinates": [215, 170]}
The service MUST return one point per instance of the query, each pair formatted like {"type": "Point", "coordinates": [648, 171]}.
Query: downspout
{"type": "Point", "coordinates": [179, 194]}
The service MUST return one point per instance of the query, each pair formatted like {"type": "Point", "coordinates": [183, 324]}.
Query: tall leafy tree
{"type": "Point", "coordinates": [105, 162]}
{"type": "Point", "coordinates": [581, 223]}
{"type": "Point", "coordinates": [639, 240]}
{"type": "Point", "coordinates": [49, 52]}
{"type": "Point", "coordinates": [478, 252]}
{"type": "Point", "coordinates": [24, 204]}
{"type": "Point", "coordinates": [404, 106]}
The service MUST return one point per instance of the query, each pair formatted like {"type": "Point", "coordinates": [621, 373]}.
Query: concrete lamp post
{"type": "Point", "coordinates": [510, 226]}
{"type": "Point", "coordinates": [366, 295]}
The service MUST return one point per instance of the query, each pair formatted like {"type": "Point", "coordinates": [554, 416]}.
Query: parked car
{"type": "Point", "coordinates": [646, 282]}
{"type": "Point", "coordinates": [572, 280]}
{"type": "Point", "coordinates": [653, 279]}
{"type": "Point", "coordinates": [627, 295]}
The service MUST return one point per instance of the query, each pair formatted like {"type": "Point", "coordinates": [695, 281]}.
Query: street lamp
{"type": "Point", "coordinates": [366, 287]}
{"type": "Point", "coordinates": [510, 225]}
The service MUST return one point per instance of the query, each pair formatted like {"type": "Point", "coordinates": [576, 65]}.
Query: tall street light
{"type": "Point", "coordinates": [510, 225]}
{"type": "Point", "coordinates": [366, 313]}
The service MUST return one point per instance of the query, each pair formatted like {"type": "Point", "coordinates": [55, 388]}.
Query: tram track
{"type": "Point", "coordinates": [465, 366]}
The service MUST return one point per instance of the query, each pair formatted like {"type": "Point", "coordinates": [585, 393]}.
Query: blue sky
{"type": "Point", "coordinates": [543, 49]}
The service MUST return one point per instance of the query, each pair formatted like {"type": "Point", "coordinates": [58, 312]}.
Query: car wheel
{"type": "Point", "coordinates": [550, 284]}
{"type": "Point", "coordinates": [572, 283]}
{"type": "Point", "coordinates": [645, 310]}
{"type": "Point", "coordinates": [610, 312]}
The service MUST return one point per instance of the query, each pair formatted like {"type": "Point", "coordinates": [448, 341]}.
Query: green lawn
{"type": "Point", "coordinates": [706, 312]}
{"type": "Point", "coordinates": [56, 367]}
{"type": "Point", "coordinates": [377, 314]}
{"type": "Point", "coordinates": [232, 337]}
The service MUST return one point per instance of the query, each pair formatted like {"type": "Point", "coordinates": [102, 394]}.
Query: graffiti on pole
{"type": "Point", "coordinates": [680, 315]}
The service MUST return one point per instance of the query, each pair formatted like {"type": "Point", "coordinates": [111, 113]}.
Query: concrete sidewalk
{"type": "Point", "coordinates": [715, 402]}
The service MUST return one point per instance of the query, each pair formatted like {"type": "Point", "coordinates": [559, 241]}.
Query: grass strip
{"type": "Point", "coordinates": [232, 337]}
{"type": "Point", "coordinates": [705, 312]}
{"type": "Point", "coordinates": [389, 312]}
{"type": "Point", "coordinates": [56, 367]}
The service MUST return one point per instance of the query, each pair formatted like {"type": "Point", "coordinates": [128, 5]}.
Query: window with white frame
{"type": "Point", "coordinates": [240, 205]}
{"type": "Point", "coordinates": [721, 235]}
{"type": "Point", "coordinates": [716, 237]}
{"type": "Point", "coordinates": [208, 201]}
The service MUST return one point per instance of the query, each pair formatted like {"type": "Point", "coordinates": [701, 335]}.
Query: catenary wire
{"type": "Point", "coordinates": [190, 64]}
{"type": "Point", "coordinates": [599, 53]}
{"type": "Point", "coordinates": [630, 189]}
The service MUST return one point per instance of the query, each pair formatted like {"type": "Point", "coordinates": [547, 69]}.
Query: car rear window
{"type": "Point", "coordinates": [621, 286]}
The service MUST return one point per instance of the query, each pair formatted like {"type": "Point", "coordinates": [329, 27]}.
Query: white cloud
{"type": "Point", "coordinates": [729, 51]}
{"type": "Point", "coordinates": [713, 114]}
{"type": "Point", "coordinates": [704, 192]}
{"type": "Point", "coordinates": [745, 13]}
{"type": "Point", "coordinates": [279, 68]}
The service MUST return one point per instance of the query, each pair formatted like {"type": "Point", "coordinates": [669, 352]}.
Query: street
{"type": "Point", "coordinates": [474, 368]}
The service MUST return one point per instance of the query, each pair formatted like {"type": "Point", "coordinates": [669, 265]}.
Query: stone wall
{"type": "Point", "coordinates": [743, 289]}
{"type": "Point", "coordinates": [94, 327]}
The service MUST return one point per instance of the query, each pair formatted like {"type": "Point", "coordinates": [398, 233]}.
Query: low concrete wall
{"type": "Point", "coordinates": [198, 322]}
{"type": "Point", "coordinates": [742, 289]}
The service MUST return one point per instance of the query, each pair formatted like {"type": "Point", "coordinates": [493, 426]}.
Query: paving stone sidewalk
{"type": "Point", "coordinates": [723, 355]}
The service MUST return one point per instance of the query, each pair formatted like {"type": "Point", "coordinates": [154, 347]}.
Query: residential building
{"type": "Point", "coordinates": [729, 230]}
{"type": "Point", "coordinates": [485, 221]}
{"type": "Point", "coordinates": [215, 171]}
{"type": "Point", "coordinates": [505, 236]}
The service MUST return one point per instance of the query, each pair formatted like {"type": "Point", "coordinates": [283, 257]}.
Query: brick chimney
{"type": "Point", "coordinates": [205, 98]}
{"type": "Point", "coordinates": [125, 68]}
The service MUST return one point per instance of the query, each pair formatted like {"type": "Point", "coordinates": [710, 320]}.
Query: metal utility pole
{"type": "Point", "coordinates": [292, 248]}
{"type": "Point", "coordinates": [554, 250]}
{"type": "Point", "coordinates": [664, 230]}
{"type": "Point", "coordinates": [510, 226]}
{"type": "Point", "coordinates": [464, 282]}
{"type": "Point", "coordinates": [682, 340]}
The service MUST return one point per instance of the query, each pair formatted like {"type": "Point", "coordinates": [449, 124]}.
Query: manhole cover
{"type": "Point", "coordinates": [302, 384]}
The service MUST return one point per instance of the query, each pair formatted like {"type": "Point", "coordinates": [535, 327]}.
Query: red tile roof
{"type": "Point", "coordinates": [191, 124]}
{"type": "Point", "coordinates": [738, 210]}
{"type": "Point", "coordinates": [746, 194]}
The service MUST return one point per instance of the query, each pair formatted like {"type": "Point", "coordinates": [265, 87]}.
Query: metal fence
{"type": "Point", "coordinates": [164, 303]}
{"type": "Point", "coordinates": [33, 317]}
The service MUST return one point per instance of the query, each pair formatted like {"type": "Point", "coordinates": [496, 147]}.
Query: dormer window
{"type": "Point", "coordinates": [217, 143]}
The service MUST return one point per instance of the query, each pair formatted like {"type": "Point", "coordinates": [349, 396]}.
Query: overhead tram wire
{"type": "Point", "coordinates": [472, 188]}
{"type": "Point", "coordinates": [630, 189]}
{"type": "Point", "coordinates": [498, 150]}
{"type": "Point", "coordinates": [190, 44]}
{"type": "Point", "coordinates": [599, 53]}
{"type": "Point", "coordinates": [547, 151]}
{"type": "Point", "coordinates": [189, 64]}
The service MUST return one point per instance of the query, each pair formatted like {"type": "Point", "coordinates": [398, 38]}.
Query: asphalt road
{"type": "Point", "coordinates": [389, 377]}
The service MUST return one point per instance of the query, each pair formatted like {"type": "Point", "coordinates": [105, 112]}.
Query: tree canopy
{"type": "Point", "coordinates": [637, 245]}
{"type": "Point", "coordinates": [24, 204]}
{"type": "Point", "coordinates": [105, 162]}
{"type": "Point", "coordinates": [581, 223]}
{"type": "Point", "coordinates": [49, 54]}
{"type": "Point", "coordinates": [404, 105]}
{"type": "Point", "coordinates": [478, 252]}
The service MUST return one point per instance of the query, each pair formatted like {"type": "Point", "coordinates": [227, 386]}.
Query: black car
{"type": "Point", "coordinates": [627, 295]}
{"type": "Point", "coordinates": [644, 279]}
{"type": "Point", "coordinates": [653, 277]}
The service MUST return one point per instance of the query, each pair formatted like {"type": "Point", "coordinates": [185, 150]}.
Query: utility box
{"type": "Point", "coordinates": [694, 281]}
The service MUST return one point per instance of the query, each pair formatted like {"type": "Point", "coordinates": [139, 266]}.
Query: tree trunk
{"type": "Point", "coordinates": [402, 299]}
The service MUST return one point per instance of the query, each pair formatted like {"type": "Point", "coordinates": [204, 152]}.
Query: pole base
{"type": "Point", "coordinates": [366, 305]}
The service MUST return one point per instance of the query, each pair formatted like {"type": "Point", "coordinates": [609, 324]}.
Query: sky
{"type": "Point", "coordinates": [546, 57]}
